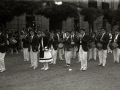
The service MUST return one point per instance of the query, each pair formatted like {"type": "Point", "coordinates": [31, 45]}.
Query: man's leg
{"type": "Point", "coordinates": [94, 53]}
{"type": "Point", "coordinates": [35, 59]}
{"type": "Point", "coordinates": [2, 63]}
{"type": "Point", "coordinates": [31, 58]}
{"type": "Point", "coordinates": [90, 53]}
{"type": "Point", "coordinates": [84, 60]}
{"type": "Point", "coordinates": [104, 57]}
{"type": "Point", "coordinates": [100, 55]}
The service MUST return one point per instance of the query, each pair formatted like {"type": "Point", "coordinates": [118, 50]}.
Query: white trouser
{"type": "Point", "coordinates": [67, 57]}
{"type": "Point", "coordinates": [102, 56]}
{"type": "Point", "coordinates": [73, 52]}
{"type": "Point", "coordinates": [92, 53]}
{"type": "Point", "coordinates": [26, 54]}
{"type": "Point", "coordinates": [60, 52]}
{"type": "Point", "coordinates": [2, 63]}
{"type": "Point", "coordinates": [116, 54]}
{"type": "Point", "coordinates": [83, 58]}
{"type": "Point", "coordinates": [54, 55]}
{"type": "Point", "coordinates": [34, 58]}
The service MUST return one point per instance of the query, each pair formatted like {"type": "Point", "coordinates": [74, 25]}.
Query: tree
{"type": "Point", "coordinates": [111, 17]}
{"type": "Point", "coordinates": [6, 12]}
{"type": "Point", "coordinates": [117, 17]}
{"type": "Point", "coordinates": [22, 7]}
{"type": "Point", "coordinates": [90, 15]}
{"type": "Point", "coordinates": [57, 13]}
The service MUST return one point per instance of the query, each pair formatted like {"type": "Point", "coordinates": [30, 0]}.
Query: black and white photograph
{"type": "Point", "coordinates": [59, 44]}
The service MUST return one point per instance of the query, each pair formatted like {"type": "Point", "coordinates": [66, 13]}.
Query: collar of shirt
{"type": "Point", "coordinates": [83, 35]}
{"type": "Point", "coordinates": [67, 37]}
{"type": "Point", "coordinates": [72, 36]}
{"type": "Point", "coordinates": [116, 36]}
{"type": "Point", "coordinates": [103, 35]}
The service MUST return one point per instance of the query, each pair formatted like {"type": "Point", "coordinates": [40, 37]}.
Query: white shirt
{"type": "Point", "coordinates": [42, 42]}
{"type": "Point", "coordinates": [102, 36]}
{"type": "Point", "coordinates": [58, 37]}
{"type": "Point", "coordinates": [116, 36]}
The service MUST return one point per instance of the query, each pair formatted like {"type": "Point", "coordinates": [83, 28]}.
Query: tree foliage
{"type": "Point", "coordinates": [90, 14]}
{"type": "Point", "coordinates": [59, 12]}
{"type": "Point", "coordinates": [22, 7]}
{"type": "Point", "coordinates": [110, 16]}
{"type": "Point", "coordinates": [6, 10]}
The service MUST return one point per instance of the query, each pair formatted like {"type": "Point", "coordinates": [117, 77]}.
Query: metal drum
{"type": "Point", "coordinates": [113, 45]}
{"type": "Point", "coordinates": [99, 46]}
{"type": "Point", "coordinates": [60, 45]}
{"type": "Point", "coordinates": [13, 41]}
{"type": "Point", "coordinates": [92, 45]}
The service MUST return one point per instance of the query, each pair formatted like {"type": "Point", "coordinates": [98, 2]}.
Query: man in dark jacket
{"type": "Point", "coordinates": [73, 44]}
{"type": "Point", "coordinates": [116, 51]}
{"type": "Point", "coordinates": [3, 49]}
{"type": "Point", "coordinates": [25, 41]}
{"type": "Point", "coordinates": [34, 43]}
{"type": "Point", "coordinates": [83, 49]}
{"type": "Point", "coordinates": [67, 46]}
{"type": "Point", "coordinates": [102, 53]}
{"type": "Point", "coordinates": [54, 47]}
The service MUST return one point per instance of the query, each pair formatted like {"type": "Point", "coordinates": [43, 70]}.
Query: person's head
{"type": "Point", "coordinates": [63, 31]}
{"type": "Point", "coordinates": [52, 33]}
{"type": "Point", "coordinates": [93, 34]}
{"type": "Point", "coordinates": [58, 31]}
{"type": "Point", "coordinates": [116, 31]}
{"type": "Point", "coordinates": [103, 30]}
{"type": "Point", "coordinates": [43, 34]}
{"type": "Point", "coordinates": [32, 32]}
{"type": "Point", "coordinates": [25, 32]}
{"type": "Point", "coordinates": [82, 31]}
{"type": "Point", "coordinates": [0, 32]}
{"type": "Point", "coordinates": [109, 32]}
{"type": "Point", "coordinates": [72, 32]}
{"type": "Point", "coordinates": [67, 33]}
{"type": "Point", "coordinates": [39, 33]}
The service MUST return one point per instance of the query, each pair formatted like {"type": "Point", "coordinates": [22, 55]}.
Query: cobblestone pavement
{"type": "Point", "coordinates": [19, 76]}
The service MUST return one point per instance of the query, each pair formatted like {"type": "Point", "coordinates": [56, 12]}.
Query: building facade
{"type": "Point", "coordinates": [41, 22]}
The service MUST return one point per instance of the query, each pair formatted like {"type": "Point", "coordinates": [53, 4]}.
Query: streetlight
{"type": "Point", "coordinates": [79, 9]}
{"type": "Point", "coordinates": [58, 2]}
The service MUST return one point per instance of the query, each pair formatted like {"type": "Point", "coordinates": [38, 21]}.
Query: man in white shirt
{"type": "Point", "coordinates": [102, 53]}
{"type": "Point", "coordinates": [116, 51]}
{"type": "Point", "coordinates": [82, 45]}
{"type": "Point", "coordinates": [73, 44]}
{"type": "Point", "coordinates": [34, 43]}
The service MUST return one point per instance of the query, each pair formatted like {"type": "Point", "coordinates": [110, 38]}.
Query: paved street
{"type": "Point", "coordinates": [19, 76]}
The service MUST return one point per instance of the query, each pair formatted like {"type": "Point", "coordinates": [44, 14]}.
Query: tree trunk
{"type": "Point", "coordinates": [55, 24]}
{"type": "Point", "coordinates": [112, 26]}
{"type": "Point", "coordinates": [4, 27]}
{"type": "Point", "coordinates": [90, 29]}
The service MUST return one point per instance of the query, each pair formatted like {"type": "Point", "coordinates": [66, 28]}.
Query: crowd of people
{"type": "Point", "coordinates": [47, 47]}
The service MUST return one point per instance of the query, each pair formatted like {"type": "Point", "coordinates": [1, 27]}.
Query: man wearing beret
{"type": "Point", "coordinates": [3, 49]}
